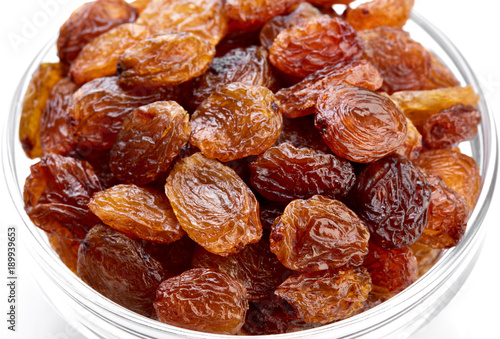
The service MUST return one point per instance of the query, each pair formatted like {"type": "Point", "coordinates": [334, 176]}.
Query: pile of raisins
{"type": "Point", "coordinates": [248, 166]}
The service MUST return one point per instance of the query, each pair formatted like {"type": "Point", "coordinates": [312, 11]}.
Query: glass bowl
{"type": "Point", "coordinates": [97, 317]}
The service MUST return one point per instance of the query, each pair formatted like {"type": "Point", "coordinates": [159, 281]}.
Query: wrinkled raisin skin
{"type": "Point", "coordinates": [378, 13]}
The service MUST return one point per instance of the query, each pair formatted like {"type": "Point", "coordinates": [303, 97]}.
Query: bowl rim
{"type": "Point", "coordinates": [377, 317]}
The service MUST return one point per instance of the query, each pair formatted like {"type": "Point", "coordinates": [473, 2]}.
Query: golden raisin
{"type": "Point", "coordinates": [378, 13]}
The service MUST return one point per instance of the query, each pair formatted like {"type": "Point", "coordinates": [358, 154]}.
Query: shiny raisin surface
{"type": "Point", "coordinates": [139, 212]}
{"type": "Point", "coordinates": [204, 18]}
{"type": "Point", "coordinates": [213, 205]}
{"type": "Point", "coordinates": [391, 271]}
{"type": "Point", "coordinates": [314, 44]}
{"type": "Point", "coordinates": [56, 194]}
{"type": "Point", "coordinates": [378, 13]}
{"type": "Point", "coordinates": [440, 76]}
{"type": "Point", "coordinates": [204, 300]}
{"type": "Point", "coordinates": [358, 124]}
{"type": "Point", "coordinates": [459, 171]}
{"type": "Point", "coordinates": [89, 21]}
{"type": "Point", "coordinates": [256, 267]}
{"type": "Point", "coordinates": [98, 58]}
{"type": "Point", "coordinates": [300, 99]}
{"type": "Point", "coordinates": [317, 234]}
{"type": "Point", "coordinates": [119, 268]}
{"type": "Point", "coordinates": [165, 60]}
{"type": "Point", "coordinates": [284, 173]}
{"type": "Point", "coordinates": [150, 139]}
{"type": "Point", "coordinates": [66, 249]}
{"type": "Point", "coordinates": [326, 296]}
{"type": "Point", "coordinates": [236, 121]}
{"type": "Point", "coordinates": [450, 127]}
{"type": "Point", "coordinates": [392, 197]}
{"type": "Point", "coordinates": [412, 145]}
{"type": "Point", "coordinates": [35, 100]}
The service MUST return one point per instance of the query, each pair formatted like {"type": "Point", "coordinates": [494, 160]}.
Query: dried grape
{"type": "Point", "coordinates": [412, 145]}
{"type": "Point", "coordinates": [378, 13]}
{"type": "Point", "coordinates": [66, 249]}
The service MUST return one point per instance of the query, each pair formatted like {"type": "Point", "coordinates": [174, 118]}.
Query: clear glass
{"type": "Point", "coordinates": [98, 317]}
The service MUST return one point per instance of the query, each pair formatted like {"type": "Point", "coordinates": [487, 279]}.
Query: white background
{"type": "Point", "coordinates": [474, 26]}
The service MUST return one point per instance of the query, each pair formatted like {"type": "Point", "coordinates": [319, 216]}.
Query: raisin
{"type": "Point", "coordinates": [284, 173]}
{"type": "Point", "coordinates": [403, 63]}
{"type": "Point", "coordinates": [326, 296]}
{"type": "Point", "coordinates": [98, 58]}
{"type": "Point", "coordinates": [378, 13]}
{"type": "Point", "coordinates": [213, 205]}
{"type": "Point", "coordinates": [204, 18]}
{"type": "Point", "coordinates": [440, 76]}
{"type": "Point", "coordinates": [269, 211]}
{"type": "Point", "coordinates": [119, 268]}
{"type": "Point", "coordinates": [301, 132]}
{"type": "Point", "coordinates": [246, 65]}
{"type": "Point", "coordinates": [151, 137]}
{"type": "Point", "coordinates": [165, 60]}
{"type": "Point", "coordinates": [300, 99]}
{"type": "Point", "coordinates": [317, 234]}
{"type": "Point", "coordinates": [391, 271]}
{"type": "Point", "coordinates": [99, 107]}
{"type": "Point", "coordinates": [204, 300]}
{"type": "Point", "coordinates": [314, 44]}
{"type": "Point", "coordinates": [459, 171]}
{"type": "Point", "coordinates": [412, 145]}
{"type": "Point", "coordinates": [329, 3]}
{"type": "Point", "coordinates": [358, 124]}
{"type": "Point", "coordinates": [35, 100]}
{"type": "Point", "coordinates": [451, 126]}
{"type": "Point", "coordinates": [448, 215]}
{"type": "Point", "coordinates": [426, 256]}
{"type": "Point", "coordinates": [138, 212]}
{"type": "Point", "coordinates": [56, 134]}
{"type": "Point", "coordinates": [89, 21]}
{"type": "Point", "coordinates": [56, 194]}
{"type": "Point", "coordinates": [256, 267]}
{"type": "Point", "coordinates": [236, 121]}
{"type": "Point", "coordinates": [392, 197]}
{"type": "Point", "coordinates": [419, 106]}
{"type": "Point", "coordinates": [274, 26]}
{"type": "Point", "coordinates": [251, 15]}
{"type": "Point", "coordinates": [66, 249]}
{"type": "Point", "coordinates": [140, 5]}
{"type": "Point", "coordinates": [99, 160]}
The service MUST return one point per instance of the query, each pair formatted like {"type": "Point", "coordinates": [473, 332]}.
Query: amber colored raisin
{"type": "Point", "coordinates": [165, 60]}
{"type": "Point", "coordinates": [66, 249]}
{"type": "Point", "coordinates": [213, 205]}
{"type": "Point", "coordinates": [426, 256]}
{"type": "Point", "coordinates": [138, 212]}
{"type": "Point", "coordinates": [98, 58]}
{"type": "Point", "coordinates": [459, 171]}
{"type": "Point", "coordinates": [392, 197]}
{"type": "Point", "coordinates": [204, 300]}
{"type": "Point", "coordinates": [447, 218]}
{"type": "Point", "coordinates": [119, 268]}
{"type": "Point", "coordinates": [246, 65]}
{"type": "Point", "coordinates": [378, 13]}
{"type": "Point", "coordinates": [89, 21]}
{"type": "Point", "coordinates": [275, 25]}
{"type": "Point", "coordinates": [284, 173]}
{"type": "Point", "coordinates": [440, 76]}
{"type": "Point", "coordinates": [301, 132]}
{"type": "Point", "coordinates": [391, 271]}
{"type": "Point", "coordinates": [314, 44]}
{"type": "Point", "coordinates": [256, 267]}
{"type": "Point", "coordinates": [317, 234]}
{"type": "Point", "coordinates": [300, 99]}
{"type": "Point", "coordinates": [251, 15]}
{"type": "Point", "coordinates": [236, 121]}
{"type": "Point", "coordinates": [151, 137]}
{"type": "Point", "coordinates": [358, 124]}
{"type": "Point", "coordinates": [35, 99]}
{"type": "Point", "coordinates": [56, 134]}
{"type": "Point", "coordinates": [204, 18]}
{"type": "Point", "coordinates": [403, 63]}
{"type": "Point", "coordinates": [419, 106]}
{"type": "Point", "coordinates": [99, 107]}
{"type": "Point", "coordinates": [450, 127]}
{"type": "Point", "coordinates": [56, 194]}
{"type": "Point", "coordinates": [412, 145]}
{"type": "Point", "coordinates": [326, 296]}
{"type": "Point", "coordinates": [140, 5]}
